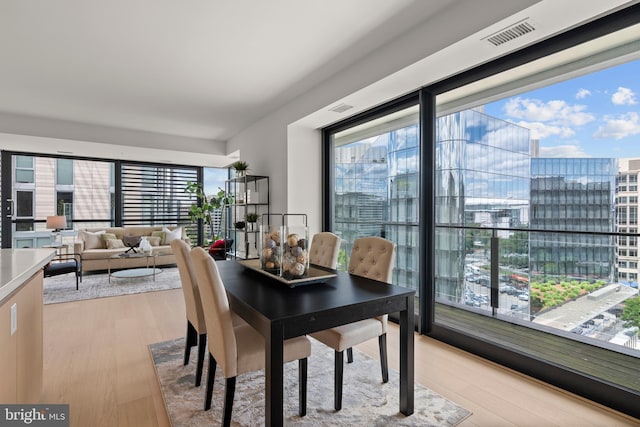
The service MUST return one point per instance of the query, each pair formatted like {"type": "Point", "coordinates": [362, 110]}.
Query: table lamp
{"type": "Point", "coordinates": [57, 223]}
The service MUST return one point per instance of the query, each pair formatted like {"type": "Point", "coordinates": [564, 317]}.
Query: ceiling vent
{"type": "Point", "coordinates": [510, 33]}
{"type": "Point", "coordinates": [341, 108]}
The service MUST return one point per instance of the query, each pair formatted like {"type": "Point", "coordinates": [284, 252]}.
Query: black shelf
{"type": "Point", "coordinates": [245, 188]}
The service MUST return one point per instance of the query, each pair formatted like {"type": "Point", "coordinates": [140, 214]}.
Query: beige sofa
{"type": "Point", "coordinates": [97, 254]}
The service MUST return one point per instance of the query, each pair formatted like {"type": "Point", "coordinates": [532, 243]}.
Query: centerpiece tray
{"type": "Point", "coordinates": [314, 274]}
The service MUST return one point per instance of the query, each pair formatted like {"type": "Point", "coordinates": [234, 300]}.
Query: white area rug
{"type": "Point", "coordinates": [366, 400]}
{"type": "Point", "coordinates": [63, 288]}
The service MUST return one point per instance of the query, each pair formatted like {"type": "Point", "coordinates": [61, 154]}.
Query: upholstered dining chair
{"type": "Point", "coordinates": [238, 349]}
{"type": "Point", "coordinates": [371, 257]}
{"type": "Point", "coordinates": [324, 250]}
{"type": "Point", "coordinates": [196, 327]}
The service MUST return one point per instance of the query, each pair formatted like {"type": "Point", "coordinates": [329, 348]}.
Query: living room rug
{"type": "Point", "coordinates": [62, 288]}
{"type": "Point", "coordinates": [366, 400]}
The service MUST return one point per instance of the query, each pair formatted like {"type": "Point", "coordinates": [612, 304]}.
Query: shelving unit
{"type": "Point", "coordinates": [251, 195]}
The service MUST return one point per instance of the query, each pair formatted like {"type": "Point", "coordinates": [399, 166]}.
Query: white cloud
{"type": "Point", "coordinates": [541, 130]}
{"type": "Point", "coordinates": [583, 93]}
{"type": "Point", "coordinates": [568, 151]}
{"type": "Point", "coordinates": [619, 127]}
{"type": "Point", "coordinates": [624, 96]}
{"type": "Point", "coordinates": [555, 112]}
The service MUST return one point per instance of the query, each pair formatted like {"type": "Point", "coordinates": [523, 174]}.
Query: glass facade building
{"type": "Point", "coordinates": [481, 180]}
{"type": "Point", "coordinates": [376, 194]}
{"type": "Point", "coordinates": [561, 189]}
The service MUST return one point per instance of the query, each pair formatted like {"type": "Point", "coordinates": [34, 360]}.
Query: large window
{"type": "Point", "coordinates": [375, 187]}
{"type": "Point", "coordinates": [529, 248]}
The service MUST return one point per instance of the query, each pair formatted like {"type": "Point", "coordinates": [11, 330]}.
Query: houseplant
{"type": "Point", "coordinates": [241, 167]}
{"type": "Point", "coordinates": [207, 206]}
{"type": "Point", "coordinates": [251, 218]}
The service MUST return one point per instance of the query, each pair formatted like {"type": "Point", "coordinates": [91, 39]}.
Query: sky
{"type": "Point", "coordinates": [596, 115]}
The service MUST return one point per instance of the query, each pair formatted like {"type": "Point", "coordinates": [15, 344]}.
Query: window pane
{"type": "Point", "coordinates": [375, 189]}
{"type": "Point", "coordinates": [24, 203]}
{"type": "Point", "coordinates": [64, 172]}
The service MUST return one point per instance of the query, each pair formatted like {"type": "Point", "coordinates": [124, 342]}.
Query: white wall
{"type": "Point", "coordinates": [304, 166]}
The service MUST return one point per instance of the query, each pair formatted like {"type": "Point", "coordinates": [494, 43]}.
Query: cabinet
{"type": "Point", "coordinates": [21, 353]}
{"type": "Point", "coordinates": [251, 197]}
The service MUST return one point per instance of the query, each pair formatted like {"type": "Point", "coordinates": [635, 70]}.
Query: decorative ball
{"type": "Point", "coordinates": [269, 243]}
{"type": "Point", "coordinates": [292, 240]}
{"type": "Point", "coordinates": [296, 251]}
{"type": "Point", "coordinates": [270, 265]}
{"type": "Point", "coordinates": [275, 236]}
{"type": "Point", "coordinates": [297, 269]}
{"type": "Point", "coordinates": [276, 251]}
{"type": "Point", "coordinates": [302, 243]}
{"type": "Point", "coordinates": [266, 253]}
{"type": "Point", "coordinates": [302, 259]}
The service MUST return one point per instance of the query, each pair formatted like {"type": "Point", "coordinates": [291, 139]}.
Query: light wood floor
{"type": "Point", "coordinates": [96, 359]}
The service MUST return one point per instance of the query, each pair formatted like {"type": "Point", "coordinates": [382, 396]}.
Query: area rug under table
{"type": "Point", "coordinates": [366, 400]}
{"type": "Point", "coordinates": [62, 288]}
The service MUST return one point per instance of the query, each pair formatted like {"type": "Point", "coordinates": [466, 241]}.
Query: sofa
{"type": "Point", "coordinates": [97, 246]}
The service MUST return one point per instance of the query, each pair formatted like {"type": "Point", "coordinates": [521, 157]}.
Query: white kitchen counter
{"type": "Point", "coordinates": [18, 265]}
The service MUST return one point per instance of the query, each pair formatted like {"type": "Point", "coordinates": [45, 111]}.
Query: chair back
{"type": "Point", "coordinates": [217, 313]}
{"type": "Point", "coordinates": [373, 257]}
{"type": "Point", "coordinates": [192, 302]}
{"type": "Point", "coordinates": [324, 250]}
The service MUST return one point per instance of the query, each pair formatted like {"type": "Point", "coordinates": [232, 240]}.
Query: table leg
{"type": "Point", "coordinates": [274, 354]}
{"type": "Point", "coordinates": [109, 269]}
{"type": "Point", "coordinates": [406, 358]}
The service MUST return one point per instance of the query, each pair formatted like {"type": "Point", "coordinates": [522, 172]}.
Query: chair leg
{"type": "Point", "coordinates": [382, 343]}
{"type": "Point", "coordinates": [211, 375]}
{"type": "Point", "coordinates": [230, 389]}
{"type": "Point", "coordinates": [337, 381]}
{"type": "Point", "coordinates": [190, 340]}
{"type": "Point", "coordinates": [349, 355]}
{"type": "Point", "coordinates": [202, 345]}
{"type": "Point", "coordinates": [302, 388]}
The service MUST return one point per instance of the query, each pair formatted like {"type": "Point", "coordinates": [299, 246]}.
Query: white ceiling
{"type": "Point", "coordinates": [204, 70]}
{"type": "Point", "coordinates": [201, 68]}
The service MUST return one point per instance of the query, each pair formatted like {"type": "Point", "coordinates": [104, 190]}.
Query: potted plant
{"type": "Point", "coordinates": [241, 167]}
{"type": "Point", "coordinates": [251, 218]}
{"type": "Point", "coordinates": [206, 207]}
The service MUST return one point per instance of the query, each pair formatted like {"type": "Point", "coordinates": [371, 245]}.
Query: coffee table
{"type": "Point", "coordinates": [130, 273]}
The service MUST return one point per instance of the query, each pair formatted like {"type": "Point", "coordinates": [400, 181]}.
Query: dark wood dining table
{"type": "Point", "coordinates": [279, 312]}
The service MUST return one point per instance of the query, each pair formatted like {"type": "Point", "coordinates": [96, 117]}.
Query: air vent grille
{"type": "Point", "coordinates": [511, 33]}
{"type": "Point", "coordinates": [341, 108]}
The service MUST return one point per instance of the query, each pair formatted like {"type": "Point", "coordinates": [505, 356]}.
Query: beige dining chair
{"type": "Point", "coordinates": [371, 257]}
{"type": "Point", "coordinates": [196, 327]}
{"type": "Point", "coordinates": [324, 250]}
{"type": "Point", "coordinates": [238, 349]}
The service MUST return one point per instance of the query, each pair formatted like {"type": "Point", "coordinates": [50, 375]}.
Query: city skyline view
{"type": "Point", "coordinates": [595, 115]}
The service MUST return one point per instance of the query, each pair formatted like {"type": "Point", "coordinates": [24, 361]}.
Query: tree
{"type": "Point", "coordinates": [207, 206]}
{"type": "Point", "coordinates": [631, 312]}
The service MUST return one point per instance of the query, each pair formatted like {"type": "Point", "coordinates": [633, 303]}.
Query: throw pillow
{"type": "Point", "coordinates": [172, 235]}
{"type": "Point", "coordinates": [131, 241]}
{"type": "Point", "coordinates": [106, 237]}
{"type": "Point", "coordinates": [218, 244]}
{"type": "Point", "coordinates": [114, 244]}
{"type": "Point", "coordinates": [92, 240]}
{"type": "Point", "coordinates": [154, 240]}
{"type": "Point", "coordinates": [159, 234]}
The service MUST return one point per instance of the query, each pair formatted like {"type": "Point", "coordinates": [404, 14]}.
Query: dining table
{"type": "Point", "coordinates": [280, 312]}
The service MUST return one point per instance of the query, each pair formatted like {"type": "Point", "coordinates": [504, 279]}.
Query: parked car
{"type": "Point", "coordinates": [507, 289]}
{"type": "Point", "coordinates": [523, 297]}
